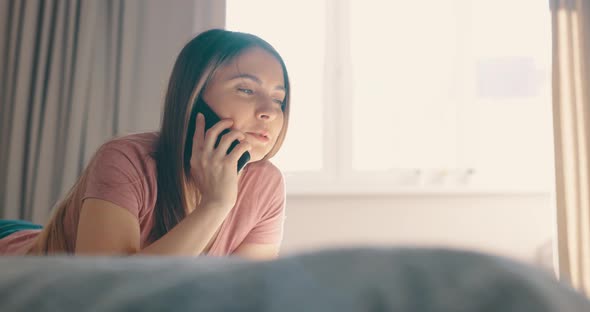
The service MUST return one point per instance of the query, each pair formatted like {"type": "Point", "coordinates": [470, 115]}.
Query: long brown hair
{"type": "Point", "coordinates": [195, 66]}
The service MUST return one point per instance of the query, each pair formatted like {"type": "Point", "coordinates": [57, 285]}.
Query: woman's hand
{"type": "Point", "coordinates": [214, 170]}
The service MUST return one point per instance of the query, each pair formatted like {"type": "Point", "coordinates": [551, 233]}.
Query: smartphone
{"type": "Point", "coordinates": [210, 119]}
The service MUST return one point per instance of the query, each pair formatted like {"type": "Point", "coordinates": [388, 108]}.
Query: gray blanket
{"type": "Point", "coordinates": [397, 279]}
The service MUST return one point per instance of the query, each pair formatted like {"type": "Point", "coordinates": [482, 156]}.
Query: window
{"type": "Point", "coordinates": [412, 96]}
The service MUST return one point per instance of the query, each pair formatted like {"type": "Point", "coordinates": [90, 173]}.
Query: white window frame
{"type": "Point", "coordinates": [337, 176]}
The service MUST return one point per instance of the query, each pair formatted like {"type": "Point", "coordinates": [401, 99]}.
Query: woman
{"type": "Point", "coordinates": [176, 192]}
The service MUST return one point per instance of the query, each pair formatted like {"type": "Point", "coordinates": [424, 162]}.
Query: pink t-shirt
{"type": "Point", "coordinates": [123, 172]}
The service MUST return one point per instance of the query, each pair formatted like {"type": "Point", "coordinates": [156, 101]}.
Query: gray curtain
{"type": "Point", "coordinates": [74, 74]}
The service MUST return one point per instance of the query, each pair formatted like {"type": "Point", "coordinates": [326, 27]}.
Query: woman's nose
{"type": "Point", "coordinates": [267, 109]}
{"type": "Point", "coordinates": [268, 116]}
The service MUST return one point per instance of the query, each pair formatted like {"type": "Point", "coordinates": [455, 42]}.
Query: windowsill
{"type": "Point", "coordinates": [318, 185]}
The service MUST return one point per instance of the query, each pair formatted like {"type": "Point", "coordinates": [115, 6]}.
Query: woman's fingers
{"type": "Point", "coordinates": [204, 142]}
{"type": "Point", "coordinates": [226, 141]}
{"type": "Point", "coordinates": [214, 132]}
{"type": "Point", "coordinates": [199, 135]}
{"type": "Point", "coordinates": [238, 151]}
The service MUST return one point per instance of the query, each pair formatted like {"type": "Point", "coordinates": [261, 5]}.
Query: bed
{"type": "Point", "coordinates": [352, 279]}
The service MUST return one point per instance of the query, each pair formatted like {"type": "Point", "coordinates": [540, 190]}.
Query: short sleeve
{"type": "Point", "coordinates": [113, 176]}
{"type": "Point", "coordinates": [269, 229]}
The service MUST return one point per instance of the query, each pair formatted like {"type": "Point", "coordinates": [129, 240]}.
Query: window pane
{"type": "Point", "coordinates": [512, 96]}
{"type": "Point", "coordinates": [404, 111]}
{"type": "Point", "coordinates": [452, 87]}
{"type": "Point", "coordinates": [296, 30]}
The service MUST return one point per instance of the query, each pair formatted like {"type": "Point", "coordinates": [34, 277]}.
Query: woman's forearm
{"type": "Point", "coordinates": [191, 236]}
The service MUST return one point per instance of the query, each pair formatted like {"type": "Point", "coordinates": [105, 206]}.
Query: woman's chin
{"type": "Point", "coordinates": [257, 155]}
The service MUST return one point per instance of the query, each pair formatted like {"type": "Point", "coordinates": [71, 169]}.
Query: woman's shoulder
{"type": "Point", "coordinates": [133, 151]}
{"type": "Point", "coordinates": [264, 179]}
{"type": "Point", "coordinates": [145, 141]}
{"type": "Point", "coordinates": [123, 172]}
{"type": "Point", "coordinates": [264, 168]}
{"type": "Point", "coordinates": [136, 146]}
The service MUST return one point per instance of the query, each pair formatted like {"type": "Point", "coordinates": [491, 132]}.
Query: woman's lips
{"type": "Point", "coordinates": [259, 137]}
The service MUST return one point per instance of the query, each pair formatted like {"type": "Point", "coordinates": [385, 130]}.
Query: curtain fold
{"type": "Point", "coordinates": [74, 74]}
{"type": "Point", "coordinates": [571, 113]}
{"type": "Point", "coordinates": [49, 74]}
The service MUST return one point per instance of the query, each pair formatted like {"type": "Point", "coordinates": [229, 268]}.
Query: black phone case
{"type": "Point", "coordinates": [210, 119]}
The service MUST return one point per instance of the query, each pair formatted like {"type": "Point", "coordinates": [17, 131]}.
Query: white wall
{"type": "Point", "coordinates": [165, 27]}
{"type": "Point", "coordinates": [514, 226]}
{"type": "Point", "coordinates": [164, 30]}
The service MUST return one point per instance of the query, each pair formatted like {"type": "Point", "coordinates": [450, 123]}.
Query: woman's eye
{"type": "Point", "coordinates": [246, 91]}
{"type": "Point", "coordinates": [279, 102]}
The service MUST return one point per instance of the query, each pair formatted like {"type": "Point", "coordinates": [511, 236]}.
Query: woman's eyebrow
{"type": "Point", "coordinates": [255, 79]}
